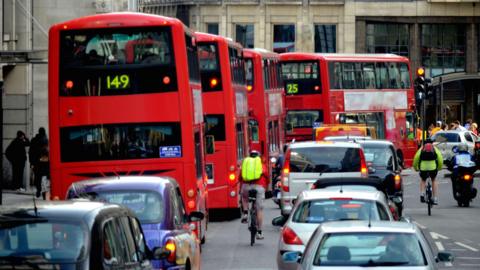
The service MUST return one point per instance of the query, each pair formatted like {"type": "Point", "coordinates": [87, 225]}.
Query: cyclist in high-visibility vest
{"type": "Point", "coordinates": [254, 176]}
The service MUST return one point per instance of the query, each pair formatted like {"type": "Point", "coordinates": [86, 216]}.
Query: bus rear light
{"type": "Point", "coordinates": [398, 181]}
{"type": "Point", "coordinates": [213, 82]}
{"type": "Point", "coordinates": [191, 204]}
{"type": "Point", "coordinates": [249, 88]}
{"type": "Point", "coordinates": [172, 247]}
{"type": "Point", "coordinates": [316, 88]}
{"type": "Point", "coordinates": [231, 177]}
{"type": "Point", "coordinates": [166, 80]}
{"type": "Point", "coordinates": [290, 237]}
{"type": "Point", "coordinates": [56, 198]}
{"type": "Point", "coordinates": [190, 193]}
{"type": "Point", "coordinates": [69, 84]}
{"type": "Point", "coordinates": [65, 26]}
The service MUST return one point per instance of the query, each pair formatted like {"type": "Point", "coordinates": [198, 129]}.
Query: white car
{"type": "Point", "coordinates": [446, 140]}
{"type": "Point", "coordinates": [367, 245]}
{"type": "Point", "coordinates": [305, 162]}
{"type": "Point", "coordinates": [333, 203]}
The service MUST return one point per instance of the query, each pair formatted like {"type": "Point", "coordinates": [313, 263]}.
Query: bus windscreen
{"type": "Point", "coordinates": [120, 142]}
{"type": "Point", "coordinates": [116, 61]}
{"type": "Point", "coordinates": [301, 78]}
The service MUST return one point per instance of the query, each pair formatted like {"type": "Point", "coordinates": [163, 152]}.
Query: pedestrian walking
{"type": "Point", "coordinates": [473, 128]}
{"type": "Point", "coordinates": [17, 155]}
{"type": "Point", "coordinates": [37, 146]}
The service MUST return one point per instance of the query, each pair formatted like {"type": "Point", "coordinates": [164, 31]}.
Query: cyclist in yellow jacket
{"type": "Point", "coordinates": [254, 176]}
{"type": "Point", "coordinates": [428, 160]}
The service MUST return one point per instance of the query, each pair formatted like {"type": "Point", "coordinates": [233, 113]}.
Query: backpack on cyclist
{"type": "Point", "coordinates": [251, 169]}
{"type": "Point", "coordinates": [428, 152]}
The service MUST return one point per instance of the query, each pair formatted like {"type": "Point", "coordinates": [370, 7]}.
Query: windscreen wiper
{"type": "Point", "coordinates": [384, 263]}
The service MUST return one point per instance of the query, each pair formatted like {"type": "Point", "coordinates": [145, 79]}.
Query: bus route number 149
{"type": "Point", "coordinates": [292, 88]}
{"type": "Point", "coordinates": [118, 81]}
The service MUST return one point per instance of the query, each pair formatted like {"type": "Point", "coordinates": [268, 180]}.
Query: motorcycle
{"type": "Point", "coordinates": [462, 181]}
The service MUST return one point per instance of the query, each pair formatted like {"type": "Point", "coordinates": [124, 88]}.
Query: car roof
{"type": "Point", "coordinates": [342, 192]}
{"type": "Point", "coordinates": [451, 131]}
{"type": "Point", "coordinates": [72, 210]}
{"type": "Point", "coordinates": [349, 137]}
{"type": "Point", "coordinates": [375, 142]}
{"type": "Point", "coordinates": [363, 226]}
{"type": "Point", "coordinates": [126, 183]}
{"type": "Point", "coordinates": [309, 144]}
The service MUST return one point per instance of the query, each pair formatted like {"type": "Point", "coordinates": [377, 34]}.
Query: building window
{"type": "Point", "coordinates": [284, 38]}
{"type": "Point", "coordinates": [212, 28]}
{"type": "Point", "coordinates": [388, 38]}
{"type": "Point", "coordinates": [443, 48]}
{"type": "Point", "coordinates": [478, 46]}
{"type": "Point", "coordinates": [244, 35]}
{"type": "Point", "coordinates": [325, 38]}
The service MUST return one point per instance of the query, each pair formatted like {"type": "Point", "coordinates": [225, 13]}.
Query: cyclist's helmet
{"type": "Point", "coordinates": [254, 153]}
{"type": "Point", "coordinates": [462, 148]}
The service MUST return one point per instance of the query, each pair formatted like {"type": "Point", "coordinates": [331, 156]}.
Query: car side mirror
{"type": "Point", "coordinates": [371, 169]}
{"type": "Point", "coordinates": [160, 253]}
{"type": "Point", "coordinates": [196, 216]}
{"type": "Point", "coordinates": [444, 257]}
{"type": "Point", "coordinates": [405, 219]}
{"type": "Point", "coordinates": [279, 221]}
{"type": "Point", "coordinates": [292, 257]}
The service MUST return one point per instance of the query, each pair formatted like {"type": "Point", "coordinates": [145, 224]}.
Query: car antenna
{"type": "Point", "coordinates": [341, 188]}
{"type": "Point", "coordinates": [370, 218]}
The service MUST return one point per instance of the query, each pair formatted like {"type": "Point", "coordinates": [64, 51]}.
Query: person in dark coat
{"type": "Point", "coordinates": [37, 146]}
{"type": "Point", "coordinates": [17, 155]}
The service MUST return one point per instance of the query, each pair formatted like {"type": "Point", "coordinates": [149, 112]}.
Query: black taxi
{"type": "Point", "coordinates": [72, 235]}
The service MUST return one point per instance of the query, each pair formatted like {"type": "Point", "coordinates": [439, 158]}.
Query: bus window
{"type": "Point", "coordinates": [249, 75]}
{"type": "Point", "coordinates": [114, 61]}
{"type": "Point", "coordinates": [301, 78]}
{"type": "Point", "coordinates": [374, 119]}
{"type": "Point", "coordinates": [215, 126]}
{"type": "Point", "coordinates": [192, 54]}
{"type": "Point", "coordinates": [335, 75]}
{"type": "Point", "coordinates": [209, 67]}
{"type": "Point", "coordinates": [394, 76]}
{"type": "Point", "coordinates": [120, 142]}
{"type": "Point", "coordinates": [304, 118]}
{"type": "Point", "coordinates": [405, 76]}
{"type": "Point", "coordinates": [198, 155]}
{"type": "Point", "coordinates": [253, 130]}
{"type": "Point", "coordinates": [411, 127]}
{"type": "Point", "coordinates": [381, 74]}
{"type": "Point", "coordinates": [369, 75]}
{"type": "Point", "coordinates": [240, 141]}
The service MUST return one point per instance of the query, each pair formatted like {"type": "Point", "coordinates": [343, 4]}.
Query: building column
{"type": "Point", "coordinates": [361, 36]}
{"type": "Point", "coordinates": [471, 49]}
{"type": "Point", "coordinates": [415, 48]}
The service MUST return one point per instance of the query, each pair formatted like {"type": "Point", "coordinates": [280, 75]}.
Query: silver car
{"type": "Point", "coordinates": [305, 162]}
{"type": "Point", "coordinates": [446, 140]}
{"type": "Point", "coordinates": [328, 204]}
{"type": "Point", "coordinates": [367, 245]}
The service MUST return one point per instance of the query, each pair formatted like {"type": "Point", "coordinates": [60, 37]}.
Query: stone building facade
{"type": "Point", "coordinates": [441, 35]}
{"type": "Point", "coordinates": [23, 60]}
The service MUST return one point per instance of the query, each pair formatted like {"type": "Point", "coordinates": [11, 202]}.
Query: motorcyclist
{"type": "Point", "coordinates": [428, 160]}
{"type": "Point", "coordinates": [462, 158]}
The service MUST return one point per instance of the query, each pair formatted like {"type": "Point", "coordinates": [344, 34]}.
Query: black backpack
{"type": "Point", "coordinates": [428, 152]}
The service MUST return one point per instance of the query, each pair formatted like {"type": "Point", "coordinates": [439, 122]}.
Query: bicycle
{"type": "Point", "coordinates": [429, 196]}
{"type": "Point", "coordinates": [252, 214]}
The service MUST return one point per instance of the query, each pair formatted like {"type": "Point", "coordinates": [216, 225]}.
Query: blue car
{"type": "Point", "coordinates": [158, 204]}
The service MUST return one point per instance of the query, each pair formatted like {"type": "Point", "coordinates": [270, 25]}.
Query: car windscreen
{"type": "Point", "coordinates": [148, 206]}
{"type": "Point", "coordinates": [446, 137]}
{"type": "Point", "coordinates": [318, 211]}
{"type": "Point", "coordinates": [367, 249]}
{"type": "Point", "coordinates": [41, 241]}
{"type": "Point", "coordinates": [325, 159]}
{"type": "Point", "coordinates": [380, 156]}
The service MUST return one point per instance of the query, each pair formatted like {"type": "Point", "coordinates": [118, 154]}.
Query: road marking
{"type": "Point", "coordinates": [439, 246]}
{"type": "Point", "coordinates": [468, 258]}
{"type": "Point", "coordinates": [466, 246]}
{"type": "Point", "coordinates": [437, 235]}
{"type": "Point", "coordinates": [420, 225]}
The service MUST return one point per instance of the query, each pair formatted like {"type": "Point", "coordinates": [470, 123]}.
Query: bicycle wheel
{"type": "Point", "coordinates": [253, 226]}
{"type": "Point", "coordinates": [429, 198]}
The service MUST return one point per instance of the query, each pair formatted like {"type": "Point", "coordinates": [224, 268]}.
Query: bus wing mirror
{"type": "Point", "coordinates": [210, 144]}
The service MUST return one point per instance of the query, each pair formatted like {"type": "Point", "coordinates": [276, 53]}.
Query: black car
{"type": "Point", "coordinates": [384, 163]}
{"type": "Point", "coordinates": [72, 235]}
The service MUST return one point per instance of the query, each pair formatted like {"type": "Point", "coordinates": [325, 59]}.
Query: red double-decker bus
{"type": "Point", "coordinates": [222, 71]}
{"type": "Point", "coordinates": [125, 99]}
{"type": "Point", "coordinates": [371, 89]}
{"type": "Point", "coordinates": [265, 103]}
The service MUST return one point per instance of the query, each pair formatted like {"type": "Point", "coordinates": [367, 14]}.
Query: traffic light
{"type": "Point", "coordinates": [420, 84]}
{"type": "Point", "coordinates": [430, 90]}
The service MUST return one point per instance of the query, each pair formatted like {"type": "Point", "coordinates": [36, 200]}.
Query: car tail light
{"type": "Point", "coordinates": [363, 164]}
{"type": "Point", "coordinates": [286, 172]}
{"type": "Point", "coordinates": [172, 247]}
{"type": "Point", "coordinates": [290, 237]}
{"type": "Point", "coordinates": [467, 177]}
{"type": "Point", "coordinates": [398, 182]}
{"type": "Point", "coordinates": [340, 199]}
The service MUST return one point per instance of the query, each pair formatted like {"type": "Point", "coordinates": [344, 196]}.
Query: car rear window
{"type": "Point", "coordinates": [318, 211]}
{"type": "Point", "coordinates": [325, 159]}
{"type": "Point", "coordinates": [446, 137]}
{"type": "Point", "coordinates": [380, 156]}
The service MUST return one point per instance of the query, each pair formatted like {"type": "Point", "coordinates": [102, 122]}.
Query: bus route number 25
{"type": "Point", "coordinates": [292, 88]}
{"type": "Point", "coordinates": [118, 81]}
